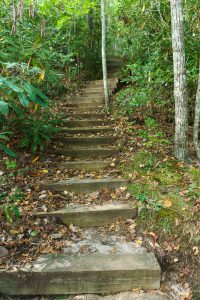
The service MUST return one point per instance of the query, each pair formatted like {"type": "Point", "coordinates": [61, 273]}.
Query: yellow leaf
{"type": "Point", "coordinates": [113, 195]}
{"type": "Point", "coordinates": [138, 242]}
{"type": "Point", "coordinates": [36, 107]}
{"type": "Point", "coordinates": [167, 203]}
{"type": "Point", "coordinates": [45, 171]}
{"type": "Point", "coordinates": [14, 231]}
{"type": "Point", "coordinates": [41, 76]}
{"type": "Point", "coordinates": [35, 159]}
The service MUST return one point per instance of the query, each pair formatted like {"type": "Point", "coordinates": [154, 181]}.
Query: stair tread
{"type": "Point", "coordinates": [84, 185]}
{"type": "Point", "coordinates": [93, 215]}
{"type": "Point", "coordinates": [86, 165]}
{"type": "Point", "coordinates": [75, 180]}
{"type": "Point", "coordinates": [93, 208]}
{"type": "Point", "coordinates": [57, 274]}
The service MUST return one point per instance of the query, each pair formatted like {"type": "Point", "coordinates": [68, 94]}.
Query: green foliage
{"type": "Point", "coordinates": [45, 46]}
{"type": "Point", "coordinates": [35, 131]}
{"type": "Point", "coordinates": [129, 99]}
{"type": "Point", "coordinates": [143, 36]}
{"type": "Point", "coordinates": [10, 203]}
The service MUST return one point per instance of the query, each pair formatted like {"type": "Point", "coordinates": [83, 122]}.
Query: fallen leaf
{"type": "Point", "coordinates": [35, 159]}
{"type": "Point", "coordinates": [195, 250]}
{"type": "Point", "coordinates": [47, 250]}
{"type": "Point", "coordinates": [167, 203]}
{"type": "Point", "coordinates": [45, 171]}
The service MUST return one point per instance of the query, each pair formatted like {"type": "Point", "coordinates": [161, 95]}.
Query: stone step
{"type": "Point", "coordinates": [93, 216]}
{"type": "Point", "coordinates": [112, 81]}
{"type": "Point", "coordinates": [83, 99]}
{"type": "Point", "coordinates": [86, 105]}
{"type": "Point", "coordinates": [95, 165]}
{"type": "Point", "coordinates": [84, 185]}
{"type": "Point", "coordinates": [83, 116]}
{"type": "Point", "coordinates": [77, 110]}
{"type": "Point", "coordinates": [61, 274]}
{"type": "Point", "coordinates": [87, 98]}
{"type": "Point", "coordinates": [87, 152]}
{"type": "Point", "coordinates": [85, 123]}
{"type": "Point", "coordinates": [84, 140]}
{"type": "Point", "coordinates": [99, 129]}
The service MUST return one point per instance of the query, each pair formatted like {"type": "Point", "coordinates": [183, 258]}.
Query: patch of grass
{"type": "Point", "coordinates": [142, 162]}
{"type": "Point", "coordinates": [194, 174]}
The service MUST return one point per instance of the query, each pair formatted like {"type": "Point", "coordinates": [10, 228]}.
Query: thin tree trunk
{"type": "Point", "coordinates": [180, 82]}
{"type": "Point", "coordinates": [104, 64]}
{"type": "Point", "coordinates": [197, 120]}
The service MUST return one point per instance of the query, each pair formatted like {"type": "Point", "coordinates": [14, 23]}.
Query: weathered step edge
{"type": "Point", "coordinates": [86, 165]}
{"type": "Point", "coordinates": [85, 123]}
{"type": "Point", "coordinates": [84, 185]}
{"type": "Point", "coordinates": [86, 115]}
{"type": "Point", "coordinates": [94, 273]}
{"type": "Point", "coordinates": [87, 153]}
{"type": "Point", "coordinates": [95, 216]}
{"type": "Point", "coordinates": [87, 129]}
{"type": "Point", "coordinates": [85, 140]}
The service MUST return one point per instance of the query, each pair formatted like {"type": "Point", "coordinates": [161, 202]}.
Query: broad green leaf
{"type": "Point", "coordinates": [12, 86]}
{"type": "Point", "coordinates": [39, 93]}
{"type": "Point", "coordinates": [24, 100]}
{"type": "Point", "coordinates": [4, 137]}
{"type": "Point", "coordinates": [16, 211]}
{"type": "Point", "coordinates": [30, 90]}
{"type": "Point", "coordinates": [4, 108]}
{"type": "Point", "coordinates": [39, 101]}
{"type": "Point", "coordinates": [7, 150]}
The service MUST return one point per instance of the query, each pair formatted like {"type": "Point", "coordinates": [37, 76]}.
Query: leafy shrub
{"type": "Point", "coordinates": [129, 99]}
{"type": "Point", "coordinates": [10, 201]}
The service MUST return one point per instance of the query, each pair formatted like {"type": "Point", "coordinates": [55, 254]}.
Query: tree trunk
{"type": "Point", "coordinates": [180, 82]}
{"type": "Point", "coordinates": [197, 120]}
{"type": "Point", "coordinates": [104, 64]}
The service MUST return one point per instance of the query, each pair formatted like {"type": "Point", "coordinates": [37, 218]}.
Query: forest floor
{"type": "Point", "coordinates": [165, 192]}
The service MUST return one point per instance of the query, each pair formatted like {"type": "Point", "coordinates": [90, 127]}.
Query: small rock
{"type": "Point", "coordinates": [3, 252]}
{"type": "Point", "coordinates": [117, 228]}
{"type": "Point", "coordinates": [56, 236]}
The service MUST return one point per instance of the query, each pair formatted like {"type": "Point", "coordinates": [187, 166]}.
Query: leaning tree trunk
{"type": "Point", "coordinates": [104, 64]}
{"type": "Point", "coordinates": [180, 82]}
{"type": "Point", "coordinates": [197, 120]}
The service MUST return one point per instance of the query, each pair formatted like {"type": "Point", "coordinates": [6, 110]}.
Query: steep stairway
{"type": "Point", "coordinates": [88, 141]}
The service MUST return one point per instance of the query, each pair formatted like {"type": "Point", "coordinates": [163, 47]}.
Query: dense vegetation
{"type": "Point", "coordinates": [47, 45]}
{"type": "Point", "coordinates": [44, 48]}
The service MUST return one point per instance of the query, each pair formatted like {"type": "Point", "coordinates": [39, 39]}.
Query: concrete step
{"type": "Point", "coordinates": [123, 296]}
{"type": "Point", "coordinates": [88, 98]}
{"type": "Point", "coordinates": [84, 105]}
{"type": "Point", "coordinates": [61, 274]}
{"type": "Point", "coordinates": [99, 129]}
{"type": "Point", "coordinates": [83, 116]}
{"type": "Point", "coordinates": [83, 99]}
{"type": "Point", "coordinates": [95, 165]}
{"type": "Point", "coordinates": [77, 110]}
{"type": "Point", "coordinates": [85, 141]}
{"type": "Point", "coordinates": [87, 152]}
{"type": "Point", "coordinates": [111, 81]}
{"type": "Point", "coordinates": [93, 216]}
{"type": "Point", "coordinates": [84, 185]}
{"type": "Point", "coordinates": [86, 123]}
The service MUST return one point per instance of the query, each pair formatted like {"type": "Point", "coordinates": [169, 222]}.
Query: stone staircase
{"type": "Point", "coordinates": [89, 137]}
